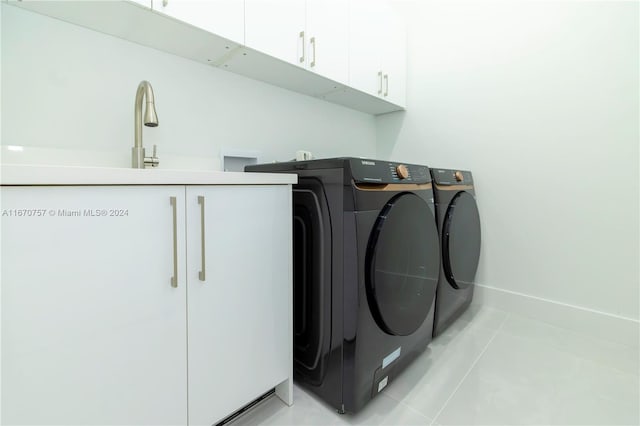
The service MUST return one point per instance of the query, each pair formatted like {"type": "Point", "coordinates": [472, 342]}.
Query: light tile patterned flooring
{"type": "Point", "coordinates": [491, 368]}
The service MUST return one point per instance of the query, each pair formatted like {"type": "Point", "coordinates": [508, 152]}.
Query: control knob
{"type": "Point", "coordinates": [459, 176]}
{"type": "Point", "coordinates": [402, 171]}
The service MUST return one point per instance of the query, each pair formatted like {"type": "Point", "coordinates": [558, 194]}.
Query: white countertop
{"type": "Point", "coordinates": [15, 174]}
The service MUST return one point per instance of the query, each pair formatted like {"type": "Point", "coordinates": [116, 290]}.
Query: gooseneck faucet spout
{"type": "Point", "coordinates": [144, 92]}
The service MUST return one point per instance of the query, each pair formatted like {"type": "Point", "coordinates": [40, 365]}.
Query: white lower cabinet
{"type": "Point", "coordinates": [239, 310]}
{"type": "Point", "coordinates": [105, 319]}
{"type": "Point", "coordinates": [92, 330]}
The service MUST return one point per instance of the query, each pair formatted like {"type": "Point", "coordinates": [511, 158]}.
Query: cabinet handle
{"type": "Point", "coordinates": [165, 3]}
{"type": "Point", "coordinates": [174, 278]}
{"type": "Point", "coordinates": [386, 82]}
{"type": "Point", "coordinates": [380, 77]}
{"type": "Point", "coordinates": [303, 43]}
{"type": "Point", "coordinates": [313, 44]}
{"type": "Point", "coordinates": [201, 274]}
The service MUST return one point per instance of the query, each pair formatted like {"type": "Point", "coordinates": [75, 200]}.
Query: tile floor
{"type": "Point", "coordinates": [491, 368]}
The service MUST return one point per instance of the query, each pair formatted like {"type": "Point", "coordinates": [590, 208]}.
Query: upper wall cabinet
{"type": "Point", "coordinates": [327, 34]}
{"type": "Point", "coordinates": [350, 52]}
{"type": "Point", "coordinates": [377, 50]}
{"type": "Point", "coordinates": [222, 17]}
{"type": "Point", "coordinates": [311, 34]}
{"type": "Point", "coordinates": [134, 21]}
{"type": "Point", "coordinates": [394, 61]}
{"type": "Point", "coordinates": [276, 27]}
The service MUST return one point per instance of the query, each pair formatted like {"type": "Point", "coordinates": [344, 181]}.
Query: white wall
{"type": "Point", "coordinates": [540, 101]}
{"type": "Point", "coordinates": [70, 90]}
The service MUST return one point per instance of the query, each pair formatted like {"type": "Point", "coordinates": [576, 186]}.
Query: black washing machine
{"type": "Point", "coordinates": [366, 264]}
{"type": "Point", "coordinates": [459, 227]}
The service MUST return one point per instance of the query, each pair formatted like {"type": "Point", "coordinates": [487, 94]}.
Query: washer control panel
{"type": "Point", "coordinates": [375, 171]}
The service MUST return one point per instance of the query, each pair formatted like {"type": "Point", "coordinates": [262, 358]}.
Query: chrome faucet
{"type": "Point", "coordinates": [139, 161]}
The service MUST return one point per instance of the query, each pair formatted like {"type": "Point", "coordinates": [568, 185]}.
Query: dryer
{"type": "Point", "coordinates": [366, 265]}
{"type": "Point", "coordinates": [459, 228]}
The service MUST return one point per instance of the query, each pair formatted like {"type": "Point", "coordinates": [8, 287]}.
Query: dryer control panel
{"type": "Point", "coordinates": [452, 177]}
{"type": "Point", "coordinates": [376, 171]}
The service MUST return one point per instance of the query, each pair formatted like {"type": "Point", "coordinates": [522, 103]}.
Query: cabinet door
{"type": "Point", "coordinates": [328, 38]}
{"type": "Point", "coordinates": [92, 330]}
{"type": "Point", "coordinates": [394, 58]}
{"type": "Point", "coordinates": [365, 39]}
{"type": "Point", "coordinates": [239, 312]}
{"type": "Point", "coordinates": [274, 27]}
{"type": "Point", "coordinates": [221, 17]}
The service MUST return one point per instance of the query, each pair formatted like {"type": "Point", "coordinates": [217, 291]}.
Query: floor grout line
{"type": "Point", "coordinates": [435, 418]}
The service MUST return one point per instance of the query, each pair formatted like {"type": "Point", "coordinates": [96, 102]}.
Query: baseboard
{"type": "Point", "coordinates": [585, 321]}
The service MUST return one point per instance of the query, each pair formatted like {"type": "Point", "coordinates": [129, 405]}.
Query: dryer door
{"type": "Point", "coordinates": [402, 264]}
{"type": "Point", "coordinates": [461, 240]}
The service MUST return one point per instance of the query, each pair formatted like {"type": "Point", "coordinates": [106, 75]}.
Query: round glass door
{"type": "Point", "coordinates": [461, 241]}
{"type": "Point", "coordinates": [402, 264]}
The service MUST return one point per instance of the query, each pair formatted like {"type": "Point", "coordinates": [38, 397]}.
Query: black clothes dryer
{"type": "Point", "coordinates": [366, 264]}
{"type": "Point", "coordinates": [459, 227]}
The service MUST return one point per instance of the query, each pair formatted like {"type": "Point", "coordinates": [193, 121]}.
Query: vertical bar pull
{"type": "Point", "coordinates": [201, 274]}
{"type": "Point", "coordinates": [174, 278]}
{"type": "Point", "coordinates": [380, 77]}
{"type": "Point", "coordinates": [312, 41]}
{"type": "Point", "coordinates": [303, 43]}
{"type": "Point", "coordinates": [386, 87]}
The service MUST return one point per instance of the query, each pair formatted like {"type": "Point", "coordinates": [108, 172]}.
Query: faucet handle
{"type": "Point", "coordinates": [153, 160]}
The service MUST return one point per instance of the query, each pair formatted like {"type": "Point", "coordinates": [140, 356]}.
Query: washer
{"type": "Point", "coordinates": [366, 264]}
{"type": "Point", "coordinates": [459, 228]}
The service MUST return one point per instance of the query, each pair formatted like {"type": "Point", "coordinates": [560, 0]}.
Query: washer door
{"type": "Point", "coordinates": [461, 240]}
{"type": "Point", "coordinates": [402, 264]}
{"type": "Point", "coordinates": [311, 279]}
